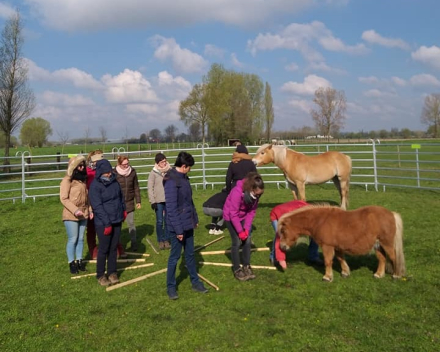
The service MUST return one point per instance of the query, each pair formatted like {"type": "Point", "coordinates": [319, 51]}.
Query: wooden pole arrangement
{"type": "Point", "coordinates": [120, 269]}
{"type": "Point", "coordinates": [152, 246]}
{"type": "Point", "coordinates": [209, 282]}
{"type": "Point", "coordinates": [119, 261]}
{"type": "Point", "coordinates": [208, 244]}
{"type": "Point", "coordinates": [138, 254]}
{"type": "Point", "coordinates": [229, 265]}
{"type": "Point", "coordinates": [229, 251]}
{"type": "Point", "coordinates": [140, 278]}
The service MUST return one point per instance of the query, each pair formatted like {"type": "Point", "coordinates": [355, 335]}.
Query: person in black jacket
{"type": "Point", "coordinates": [239, 167]}
{"type": "Point", "coordinates": [108, 206]}
{"type": "Point", "coordinates": [213, 207]}
{"type": "Point", "coordinates": [181, 220]}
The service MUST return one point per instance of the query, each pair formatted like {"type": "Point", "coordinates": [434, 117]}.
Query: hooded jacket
{"type": "Point", "coordinates": [236, 210]}
{"type": "Point", "coordinates": [106, 197]}
{"type": "Point", "coordinates": [238, 168]}
{"type": "Point", "coordinates": [130, 188]}
{"type": "Point", "coordinates": [181, 215]}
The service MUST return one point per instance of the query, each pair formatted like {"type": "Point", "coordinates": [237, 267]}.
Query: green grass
{"type": "Point", "coordinates": [42, 309]}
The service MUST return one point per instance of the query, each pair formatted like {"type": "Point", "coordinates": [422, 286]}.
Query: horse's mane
{"type": "Point", "coordinates": [308, 207]}
{"type": "Point", "coordinates": [279, 152]}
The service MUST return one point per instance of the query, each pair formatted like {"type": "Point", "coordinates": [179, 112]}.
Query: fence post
{"type": "Point", "coordinates": [58, 160]}
{"type": "Point", "coordinates": [374, 164]}
{"type": "Point", "coordinates": [418, 169]}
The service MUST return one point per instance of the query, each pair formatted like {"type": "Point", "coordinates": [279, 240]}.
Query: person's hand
{"type": "Point", "coordinates": [108, 230]}
{"type": "Point", "coordinates": [138, 205]}
{"type": "Point", "coordinates": [78, 213]}
{"type": "Point", "coordinates": [154, 206]}
{"type": "Point", "coordinates": [283, 264]}
{"type": "Point", "coordinates": [125, 215]}
{"type": "Point", "coordinates": [91, 216]}
{"type": "Point", "coordinates": [243, 235]}
{"type": "Point", "coordinates": [180, 237]}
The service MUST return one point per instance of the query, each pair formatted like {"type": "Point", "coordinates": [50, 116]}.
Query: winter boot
{"type": "Point", "coordinates": [81, 265]}
{"type": "Point", "coordinates": [73, 267]}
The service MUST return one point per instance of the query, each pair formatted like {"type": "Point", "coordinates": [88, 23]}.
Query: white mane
{"type": "Point", "coordinates": [279, 152]}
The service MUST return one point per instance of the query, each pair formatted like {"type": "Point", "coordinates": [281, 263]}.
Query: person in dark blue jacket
{"type": "Point", "coordinates": [108, 206]}
{"type": "Point", "coordinates": [181, 220]}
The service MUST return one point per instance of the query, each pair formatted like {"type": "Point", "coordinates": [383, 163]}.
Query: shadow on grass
{"type": "Point", "coordinates": [142, 231]}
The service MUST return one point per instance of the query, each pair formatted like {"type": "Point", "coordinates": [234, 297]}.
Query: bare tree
{"type": "Point", "coordinates": [86, 137]}
{"type": "Point", "coordinates": [170, 133]}
{"type": "Point", "coordinates": [64, 138]}
{"type": "Point", "coordinates": [103, 133]}
{"type": "Point", "coordinates": [329, 118]}
{"type": "Point", "coordinates": [268, 106]}
{"type": "Point", "coordinates": [17, 100]}
{"type": "Point", "coordinates": [431, 113]}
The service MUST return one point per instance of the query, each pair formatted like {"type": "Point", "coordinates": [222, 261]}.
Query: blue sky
{"type": "Point", "coordinates": [125, 65]}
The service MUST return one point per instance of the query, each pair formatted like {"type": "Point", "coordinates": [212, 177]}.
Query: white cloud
{"type": "Point", "coordinates": [300, 37]}
{"type": "Point", "coordinates": [183, 60]}
{"type": "Point", "coordinates": [373, 37]}
{"type": "Point", "coordinates": [398, 81]}
{"type": "Point", "coordinates": [322, 66]}
{"type": "Point", "coordinates": [302, 105]}
{"type": "Point", "coordinates": [61, 99]}
{"type": "Point", "coordinates": [86, 15]}
{"type": "Point", "coordinates": [214, 51]}
{"type": "Point", "coordinates": [6, 11]}
{"type": "Point", "coordinates": [429, 56]}
{"type": "Point", "coordinates": [308, 87]}
{"type": "Point", "coordinates": [128, 87]}
{"type": "Point", "coordinates": [376, 93]}
{"type": "Point", "coordinates": [235, 61]}
{"type": "Point", "coordinates": [175, 87]}
{"type": "Point", "coordinates": [369, 80]}
{"type": "Point", "coordinates": [291, 67]}
{"type": "Point", "coordinates": [424, 79]}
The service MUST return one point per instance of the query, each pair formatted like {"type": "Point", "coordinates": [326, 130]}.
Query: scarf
{"type": "Point", "coordinates": [123, 172]}
{"type": "Point", "coordinates": [162, 170]}
{"type": "Point", "coordinates": [236, 157]}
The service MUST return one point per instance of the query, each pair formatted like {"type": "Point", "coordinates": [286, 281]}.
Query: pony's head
{"type": "Point", "coordinates": [264, 155]}
{"type": "Point", "coordinates": [288, 232]}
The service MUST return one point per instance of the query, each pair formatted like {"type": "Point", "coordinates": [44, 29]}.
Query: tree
{"type": "Point", "coordinates": [35, 131]}
{"type": "Point", "coordinates": [103, 133]}
{"type": "Point", "coordinates": [17, 100]}
{"type": "Point", "coordinates": [268, 107]}
{"type": "Point", "coordinates": [143, 138]}
{"type": "Point", "coordinates": [155, 135]}
{"type": "Point", "coordinates": [431, 113]}
{"type": "Point", "coordinates": [170, 133]}
{"type": "Point", "coordinates": [194, 132]}
{"type": "Point", "coordinates": [86, 137]}
{"type": "Point", "coordinates": [64, 137]}
{"type": "Point", "coordinates": [329, 118]}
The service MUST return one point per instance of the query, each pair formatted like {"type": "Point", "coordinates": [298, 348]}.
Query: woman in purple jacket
{"type": "Point", "coordinates": [239, 212]}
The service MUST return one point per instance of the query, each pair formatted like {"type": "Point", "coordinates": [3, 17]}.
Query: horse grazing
{"type": "Point", "coordinates": [353, 232]}
{"type": "Point", "coordinates": [300, 169]}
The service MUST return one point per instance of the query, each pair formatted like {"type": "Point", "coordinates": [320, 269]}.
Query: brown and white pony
{"type": "Point", "coordinates": [353, 232]}
{"type": "Point", "coordinates": [300, 169]}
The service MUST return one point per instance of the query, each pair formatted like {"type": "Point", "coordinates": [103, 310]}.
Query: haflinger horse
{"type": "Point", "coordinates": [354, 232]}
{"type": "Point", "coordinates": [300, 169]}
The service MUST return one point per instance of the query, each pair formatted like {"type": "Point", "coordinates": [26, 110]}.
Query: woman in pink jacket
{"type": "Point", "coordinates": [239, 212]}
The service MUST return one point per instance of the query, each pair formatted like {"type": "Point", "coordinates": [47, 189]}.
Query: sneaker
{"type": "Point", "coordinates": [103, 281]}
{"type": "Point", "coordinates": [248, 272]}
{"type": "Point", "coordinates": [218, 232]}
{"type": "Point", "coordinates": [167, 245]}
{"type": "Point", "coordinates": [240, 275]}
{"type": "Point", "coordinates": [172, 294]}
{"type": "Point", "coordinates": [200, 288]}
{"type": "Point", "coordinates": [113, 278]}
{"type": "Point", "coordinates": [161, 245]}
{"type": "Point", "coordinates": [212, 231]}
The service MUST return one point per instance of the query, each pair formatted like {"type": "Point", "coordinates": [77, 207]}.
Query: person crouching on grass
{"type": "Point", "coordinates": [109, 212]}
{"type": "Point", "coordinates": [277, 256]}
{"type": "Point", "coordinates": [239, 212]}
{"type": "Point", "coordinates": [181, 221]}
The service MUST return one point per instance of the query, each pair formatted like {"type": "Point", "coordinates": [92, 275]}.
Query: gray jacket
{"type": "Point", "coordinates": [156, 193]}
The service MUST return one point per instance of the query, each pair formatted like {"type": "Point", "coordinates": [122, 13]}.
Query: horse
{"type": "Point", "coordinates": [354, 232]}
{"type": "Point", "coordinates": [300, 169]}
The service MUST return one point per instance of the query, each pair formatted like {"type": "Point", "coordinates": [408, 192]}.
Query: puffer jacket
{"type": "Point", "coordinates": [156, 193]}
{"type": "Point", "coordinates": [130, 188]}
{"type": "Point", "coordinates": [236, 210]}
{"type": "Point", "coordinates": [73, 196]}
{"type": "Point", "coordinates": [107, 200]}
{"type": "Point", "coordinates": [181, 215]}
{"type": "Point", "coordinates": [238, 171]}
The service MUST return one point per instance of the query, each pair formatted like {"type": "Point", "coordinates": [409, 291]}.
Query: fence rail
{"type": "Point", "coordinates": [375, 165]}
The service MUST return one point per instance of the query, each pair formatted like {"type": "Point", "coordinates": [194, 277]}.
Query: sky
{"type": "Point", "coordinates": [126, 65]}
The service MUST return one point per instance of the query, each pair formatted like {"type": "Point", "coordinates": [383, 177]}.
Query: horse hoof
{"type": "Point", "coordinates": [345, 275]}
{"type": "Point", "coordinates": [397, 277]}
{"type": "Point", "coordinates": [377, 276]}
{"type": "Point", "coordinates": [327, 279]}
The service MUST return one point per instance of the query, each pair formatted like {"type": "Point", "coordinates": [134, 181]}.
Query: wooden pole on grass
{"type": "Point", "coordinates": [209, 282]}
{"type": "Point", "coordinates": [208, 244]}
{"type": "Point", "coordinates": [93, 261]}
{"type": "Point", "coordinates": [152, 246]}
{"type": "Point", "coordinates": [138, 254]}
{"type": "Point", "coordinates": [229, 265]}
{"type": "Point", "coordinates": [120, 269]}
{"type": "Point", "coordinates": [229, 251]}
{"type": "Point", "coordinates": [140, 278]}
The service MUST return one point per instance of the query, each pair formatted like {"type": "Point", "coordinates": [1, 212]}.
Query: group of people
{"type": "Point", "coordinates": [97, 197]}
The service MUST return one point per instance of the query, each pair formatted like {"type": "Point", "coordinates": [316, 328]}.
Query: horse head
{"type": "Point", "coordinates": [288, 233]}
{"type": "Point", "coordinates": [264, 155]}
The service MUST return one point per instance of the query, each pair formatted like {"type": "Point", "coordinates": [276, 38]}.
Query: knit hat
{"type": "Point", "coordinates": [159, 157]}
{"type": "Point", "coordinates": [241, 149]}
{"type": "Point", "coordinates": [97, 157]}
{"type": "Point", "coordinates": [73, 164]}
{"type": "Point", "coordinates": [103, 166]}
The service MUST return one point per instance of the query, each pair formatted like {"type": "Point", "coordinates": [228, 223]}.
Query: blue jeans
{"type": "Point", "coordinates": [75, 239]}
{"type": "Point", "coordinates": [235, 247]}
{"type": "Point", "coordinates": [107, 249]}
{"type": "Point", "coordinates": [312, 250]}
{"type": "Point", "coordinates": [176, 250]}
{"type": "Point", "coordinates": [161, 226]}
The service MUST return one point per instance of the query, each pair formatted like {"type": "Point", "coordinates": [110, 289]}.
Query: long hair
{"type": "Point", "coordinates": [121, 158]}
{"type": "Point", "coordinates": [253, 181]}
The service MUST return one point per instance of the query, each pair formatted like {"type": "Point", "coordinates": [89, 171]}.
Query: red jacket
{"type": "Point", "coordinates": [275, 214]}
{"type": "Point", "coordinates": [90, 176]}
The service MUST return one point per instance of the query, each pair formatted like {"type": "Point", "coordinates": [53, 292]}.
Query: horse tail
{"type": "Point", "coordinates": [399, 267]}
{"type": "Point", "coordinates": [347, 194]}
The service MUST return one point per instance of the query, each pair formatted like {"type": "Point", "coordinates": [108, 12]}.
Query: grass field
{"type": "Point", "coordinates": [43, 309]}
